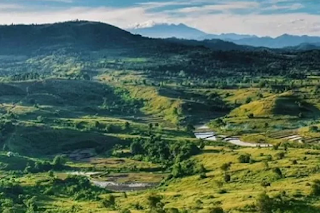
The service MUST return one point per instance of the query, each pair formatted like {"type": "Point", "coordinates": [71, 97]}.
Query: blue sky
{"type": "Point", "coordinates": [260, 17]}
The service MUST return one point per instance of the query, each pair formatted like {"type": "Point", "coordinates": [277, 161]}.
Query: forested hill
{"type": "Point", "coordinates": [88, 41]}
{"type": "Point", "coordinates": [85, 35]}
{"type": "Point", "coordinates": [91, 36]}
{"type": "Point", "coordinates": [77, 35]}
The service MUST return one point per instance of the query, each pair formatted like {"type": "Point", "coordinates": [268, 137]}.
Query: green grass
{"type": "Point", "coordinates": [246, 178]}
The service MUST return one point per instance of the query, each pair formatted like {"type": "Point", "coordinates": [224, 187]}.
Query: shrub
{"type": "Point", "coordinates": [265, 184]}
{"type": "Point", "coordinates": [222, 191]}
{"type": "Point", "coordinates": [313, 129]}
{"type": "Point", "coordinates": [251, 115]}
{"type": "Point", "coordinates": [264, 203]}
{"type": "Point", "coordinates": [227, 178]}
{"type": "Point", "coordinates": [248, 100]}
{"type": "Point", "coordinates": [154, 202]}
{"type": "Point", "coordinates": [280, 155]}
{"type": "Point", "coordinates": [110, 201]}
{"type": "Point", "coordinates": [216, 210]}
{"type": "Point", "coordinates": [276, 146]}
{"type": "Point", "coordinates": [244, 158]}
{"type": "Point", "coordinates": [278, 172]}
{"type": "Point", "coordinates": [172, 210]}
{"type": "Point", "coordinates": [59, 162]}
{"type": "Point", "coordinates": [125, 211]}
{"type": "Point", "coordinates": [315, 188]}
{"type": "Point", "coordinates": [203, 175]}
{"type": "Point", "coordinates": [185, 168]}
{"type": "Point", "coordinates": [226, 166]}
{"type": "Point", "coordinates": [127, 125]}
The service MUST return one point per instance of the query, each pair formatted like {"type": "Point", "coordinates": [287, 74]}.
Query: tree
{"type": "Point", "coordinates": [248, 100]}
{"type": "Point", "coordinates": [315, 188]}
{"type": "Point", "coordinates": [216, 210]}
{"type": "Point", "coordinates": [172, 210]}
{"type": "Point", "coordinates": [109, 201]}
{"type": "Point", "coordinates": [59, 162]}
{"type": "Point", "coordinates": [313, 129]}
{"type": "Point", "coordinates": [264, 203]}
{"type": "Point", "coordinates": [244, 158]}
{"type": "Point", "coordinates": [125, 211]}
{"type": "Point", "coordinates": [50, 173]}
{"type": "Point", "coordinates": [280, 155]}
{"type": "Point", "coordinates": [201, 144]}
{"type": "Point", "coordinates": [177, 170]}
{"type": "Point", "coordinates": [225, 167]}
{"type": "Point", "coordinates": [251, 115]}
{"type": "Point", "coordinates": [126, 125]}
{"type": "Point", "coordinates": [227, 178]}
{"type": "Point", "coordinates": [136, 148]}
{"type": "Point", "coordinates": [150, 126]}
{"type": "Point", "coordinates": [190, 128]}
{"type": "Point", "coordinates": [154, 203]}
{"type": "Point", "coordinates": [86, 77]}
{"type": "Point", "coordinates": [278, 172]}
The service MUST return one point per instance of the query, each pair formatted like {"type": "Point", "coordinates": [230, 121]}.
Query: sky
{"type": "Point", "coordinates": [258, 17]}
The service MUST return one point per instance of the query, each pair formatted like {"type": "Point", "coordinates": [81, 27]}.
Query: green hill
{"type": "Point", "coordinates": [278, 105]}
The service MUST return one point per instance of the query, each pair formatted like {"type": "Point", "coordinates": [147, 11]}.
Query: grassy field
{"type": "Point", "coordinates": [298, 167]}
{"type": "Point", "coordinates": [74, 123]}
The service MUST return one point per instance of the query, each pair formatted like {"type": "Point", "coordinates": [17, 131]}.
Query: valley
{"type": "Point", "coordinates": [113, 122]}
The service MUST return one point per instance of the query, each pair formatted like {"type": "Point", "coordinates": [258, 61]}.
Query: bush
{"type": "Point", "coordinates": [154, 202]}
{"type": "Point", "coordinates": [251, 115]}
{"type": "Point", "coordinates": [203, 176]}
{"type": "Point", "coordinates": [278, 172]}
{"type": "Point", "coordinates": [59, 162]}
{"type": "Point", "coordinates": [227, 178]}
{"type": "Point", "coordinates": [248, 100]}
{"type": "Point", "coordinates": [185, 168]}
{"type": "Point", "coordinates": [280, 155]}
{"type": "Point", "coordinates": [265, 184]}
{"type": "Point", "coordinates": [276, 146]}
{"type": "Point", "coordinates": [226, 166]}
{"type": "Point", "coordinates": [125, 211]}
{"type": "Point", "coordinates": [110, 201]}
{"type": "Point", "coordinates": [313, 129]}
{"type": "Point", "coordinates": [172, 210]}
{"type": "Point", "coordinates": [315, 188]}
{"type": "Point", "coordinates": [264, 203]}
{"type": "Point", "coordinates": [244, 158]}
{"type": "Point", "coordinates": [216, 210]}
{"type": "Point", "coordinates": [222, 191]}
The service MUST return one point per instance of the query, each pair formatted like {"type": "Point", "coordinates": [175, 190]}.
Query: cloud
{"type": "Point", "coordinates": [295, 6]}
{"type": "Point", "coordinates": [227, 7]}
{"type": "Point", "coordinates": [212, 16]}
{"type": "Point", "coordinates": [10, 6]}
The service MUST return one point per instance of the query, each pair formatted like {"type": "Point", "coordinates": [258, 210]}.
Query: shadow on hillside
{"type": "Point", "coordinates": [293, 106]}
{"type": "Point", "coordinates": [35, 141]}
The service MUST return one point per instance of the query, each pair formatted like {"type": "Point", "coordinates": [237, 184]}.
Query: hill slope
{"type": "Point", "coordinates": [79, 35]}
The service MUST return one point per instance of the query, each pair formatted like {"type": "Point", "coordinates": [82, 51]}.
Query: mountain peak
{"type": "Point", "coordinates": [166, 30]}
{"type": "Point", "coordinates": [150, 24]}
{"type": "Point", "coordinates": [146, 24]}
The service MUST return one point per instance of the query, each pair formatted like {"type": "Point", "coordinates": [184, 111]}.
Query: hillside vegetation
{"type": "Point", "coordinates": [95, 119]}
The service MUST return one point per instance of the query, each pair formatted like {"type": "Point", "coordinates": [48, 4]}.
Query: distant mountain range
{"type": "Point", "coordinates": [154, 30]}
{"type": "Point", "coordinates": [183, 31]}
{"type": "Point", "coordinates": [76, 36]}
